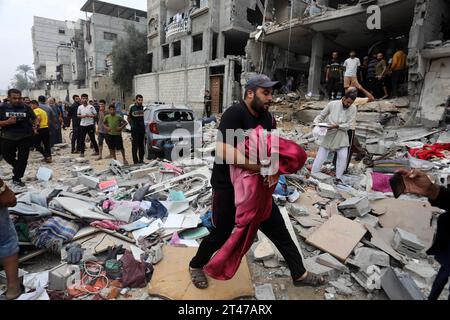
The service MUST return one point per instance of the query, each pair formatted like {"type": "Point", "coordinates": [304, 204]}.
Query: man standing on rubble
{"type": "Point", "coordinates": [17, 121]}
{"type": "Point", "coordinates": [341, 117]}
{"type": "Point", "coordinates": [87, 114]}
{"type": "Point", "coordinates": [399, 70]}
{"type": "Point", "coordinates": [245, 115]}
{"type": "Point", "coordinates": [9, 244]}
{"type": "Point", "coordinates": [136, 119]}
{"type": "Point", "coordinates": [73, 116]}
{"type": "Point", "coordinates": [417, 182]}
{"type": "Point", "coordinates": [351, 66]}
{"type": "Point", "coordinates": [334, 77]}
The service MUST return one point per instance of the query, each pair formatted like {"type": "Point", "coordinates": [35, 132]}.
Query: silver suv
{"type": "Point", "coordinates": [162, 125]}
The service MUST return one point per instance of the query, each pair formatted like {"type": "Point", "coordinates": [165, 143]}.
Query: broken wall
{"type": "Point", "coordinates": [275, 59]}
{"type": "Point", "coordinates": [430, 16]}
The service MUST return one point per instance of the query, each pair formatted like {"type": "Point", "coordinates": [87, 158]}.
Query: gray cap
{"type": "Point", "coordinates": [261, 81]}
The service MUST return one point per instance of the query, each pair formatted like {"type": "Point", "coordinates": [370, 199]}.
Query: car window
{"type": "Point", "coordinates": [174, 116]}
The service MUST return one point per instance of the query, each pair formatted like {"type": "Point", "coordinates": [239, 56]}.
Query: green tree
{"type": "Point", "coordinates": [24, 78]}
{"type": "Point", "coordinates": [130, 58]}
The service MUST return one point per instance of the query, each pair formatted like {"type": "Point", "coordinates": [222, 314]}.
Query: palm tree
{"type": "Point", "coordinates": [26, 71]}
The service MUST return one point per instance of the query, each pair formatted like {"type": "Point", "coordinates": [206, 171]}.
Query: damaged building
{"type": "Point", "coordinates": [75, 57]}
{"type": "Point", "coordinates": [197, 45]}
{"type": "Point", "coordinates": [297, 39]}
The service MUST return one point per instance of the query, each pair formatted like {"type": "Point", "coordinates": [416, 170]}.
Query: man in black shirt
{"type": "Point", "coordinates": [17, 121]}
{"type": "Point", "coordinates": [136, 120]}
{"type": "Point", "coordinates": [334, 77]}
{"type": "Point", "coordinates": [207, 102]}
{"type": "Point", "coordinates": [73, 116]}
{"type": "Point", "coordinates": [245, 115]}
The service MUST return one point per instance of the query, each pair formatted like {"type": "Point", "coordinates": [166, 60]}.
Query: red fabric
{"type": "Point", "coordinates": [430, 151]}
{"type": "Point", "coordinates": [253, 202]}
{"type": "Point", "coordinates": [108, 224]}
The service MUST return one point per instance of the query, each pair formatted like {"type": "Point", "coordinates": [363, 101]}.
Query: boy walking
{"type": "Point", "coordinates": [114, 125]}
{"type": "Point", "coordinates": [43, 132]}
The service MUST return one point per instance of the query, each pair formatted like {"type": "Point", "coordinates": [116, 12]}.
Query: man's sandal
{"type": "Point", "coordinates": [198, 278]}
{"type": "Point", "coordinates": [22, 291]}
{"type": "Point", "coordinates": [311, 280]}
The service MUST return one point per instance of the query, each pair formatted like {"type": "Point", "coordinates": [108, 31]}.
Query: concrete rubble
{"type": "Point", "coordinates": [116, 206]}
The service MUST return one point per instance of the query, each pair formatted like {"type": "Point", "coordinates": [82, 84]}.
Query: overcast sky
{"type": "Point", "coordinates": [16, 20]}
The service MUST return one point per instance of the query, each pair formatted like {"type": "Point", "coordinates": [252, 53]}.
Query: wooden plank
{"type": "Point", "coordinates": [338, 236]}
{"type": "Point", "coordinates": [32, 255]}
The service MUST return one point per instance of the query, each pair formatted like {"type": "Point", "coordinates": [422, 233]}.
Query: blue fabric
{"type": "Point", "coordinates": [207, 220]}
{"type": "Point", "coordinates": [157, 210]}
{"type": "Point", "coordinates": [282, 189]}
{"type": "Point", "coordinates": [9, 245]}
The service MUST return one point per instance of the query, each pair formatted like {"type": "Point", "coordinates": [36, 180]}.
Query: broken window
{"type": "Point", "coordinates": [255, 17]}
{"type": "Point", "coordinates": [173, 116]}
{"type": "Point", "coordinates": [177, 49]}
{"type": "Point", "coordinates": [109, 36]}
{"type": "Point", "coordinates": [61, 31]}
{"type": "Point", "coordinates": [235, 44]}
{"type": "Point", "coordinates": [165, 51]}
{"type": "Point", "coordinates": [197, 43]}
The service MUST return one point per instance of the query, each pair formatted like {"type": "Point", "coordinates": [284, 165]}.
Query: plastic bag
{"type": "Point", "coordinates": [319, 133]}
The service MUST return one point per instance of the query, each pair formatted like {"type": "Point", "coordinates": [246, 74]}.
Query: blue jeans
{"type": "Point", "coordinates": [9, 243]}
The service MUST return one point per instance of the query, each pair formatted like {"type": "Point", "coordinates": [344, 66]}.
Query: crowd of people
{"type": "Point", "coordinates": [376, 77]}
{"type": "Point", "coordinates": [36, 125]}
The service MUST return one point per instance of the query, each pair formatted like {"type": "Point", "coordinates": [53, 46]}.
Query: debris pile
{"type": "Point", "coordinates": [111, 226]}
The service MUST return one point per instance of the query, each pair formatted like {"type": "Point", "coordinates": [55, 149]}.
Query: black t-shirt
{"type": "Point", "coordinates": [236, 117]}
{"type": "Point", "coordinates": [73, 114]}
{"type": "Point", "coordinates": [136, 118]}
{"type": "Point", "coordinates": [335, 68]}
{"type": "Point", "coordinates": [24, 125]}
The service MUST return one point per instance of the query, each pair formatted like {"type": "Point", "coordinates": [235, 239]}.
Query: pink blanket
{"type": "Point", "coordinates": [253, 204]}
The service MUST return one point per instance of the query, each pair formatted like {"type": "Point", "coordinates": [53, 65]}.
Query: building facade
{"type": "Point", "coordinates": [72, 57]}
{"type": "Point", "coordinates": [197, 45]}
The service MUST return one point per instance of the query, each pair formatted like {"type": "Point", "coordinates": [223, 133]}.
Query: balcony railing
{"type": "Point", "coordinates": [177, 27]}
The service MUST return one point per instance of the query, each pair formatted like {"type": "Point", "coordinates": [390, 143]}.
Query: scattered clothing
{"type": "Point", "coordinates": [107, 224]}
{"type": "Point", "coordinates": [136, 274]}
{"type": "Point", "coordinates": [53, 233]}
{"type": "Point", "coordinates": [430, 151]}
{"type": "Point", "coordinates": [381, 182]}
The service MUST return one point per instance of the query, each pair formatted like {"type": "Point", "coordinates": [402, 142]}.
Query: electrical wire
{"type": "Point", "coordinates": [290, 39]}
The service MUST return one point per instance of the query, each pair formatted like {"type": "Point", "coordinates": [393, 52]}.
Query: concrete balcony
{"type": "Point", "coordinates": [177, 28]}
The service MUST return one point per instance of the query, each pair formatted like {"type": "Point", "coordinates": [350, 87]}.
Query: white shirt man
{"type": "Point", "coordinates": [351, 67]}
{"type": "Point", "coordinates": [89, 111]}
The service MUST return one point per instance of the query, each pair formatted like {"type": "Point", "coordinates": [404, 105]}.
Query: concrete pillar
{"type": "Point", "coordinates": [315, 69]}
{"type": "Point", "coordinates": [221, 46]}
{"type": "Point", "coordinates": [207, 43]}
{"type": "Point", "coordinates": [226, 85]}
